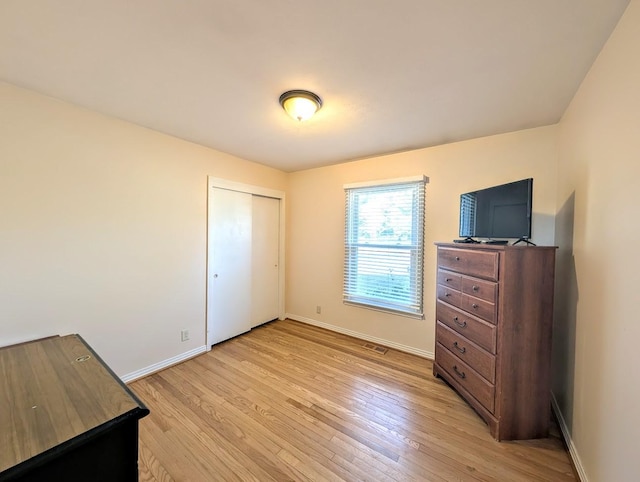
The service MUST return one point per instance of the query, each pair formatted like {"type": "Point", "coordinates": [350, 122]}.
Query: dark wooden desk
{"type": "Point", "coordinates": [64, 415]}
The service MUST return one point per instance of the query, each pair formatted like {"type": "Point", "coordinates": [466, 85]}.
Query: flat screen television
{"type": "Point", "coordinates": [497, 212]}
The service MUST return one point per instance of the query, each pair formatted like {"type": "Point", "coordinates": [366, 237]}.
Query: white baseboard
{"type": "Point", "coordinates": [577, 462]}
{"type": "Point", "coordinates": [156, 367]}
{"type": "Point", "coordinates": [363, 336]}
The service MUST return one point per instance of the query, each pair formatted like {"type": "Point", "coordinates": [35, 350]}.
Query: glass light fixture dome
{"type": "Point", "coordinates": [301, 105]}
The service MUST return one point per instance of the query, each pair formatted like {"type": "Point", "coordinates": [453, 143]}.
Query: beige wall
{"type": "Point", "coordinates": [596, 332]}
{"type": "Point", "coordinates": [103, 230]}
{"type": "Point", "coordinates": [315, 221]}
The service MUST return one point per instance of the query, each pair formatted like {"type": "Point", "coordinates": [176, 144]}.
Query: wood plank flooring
{"type": "Point", "coordinates": [289, 401]}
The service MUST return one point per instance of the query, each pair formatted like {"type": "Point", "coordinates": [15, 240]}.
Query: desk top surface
{"type": "Point", "coordinates": [52, 391]}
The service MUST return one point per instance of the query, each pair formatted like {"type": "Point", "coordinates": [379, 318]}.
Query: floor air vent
{"type": "Point", "coordinates": [378, 349]}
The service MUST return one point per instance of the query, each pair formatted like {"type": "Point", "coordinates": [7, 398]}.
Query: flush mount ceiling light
{"type": "Point", "coordinates": [300, 104]}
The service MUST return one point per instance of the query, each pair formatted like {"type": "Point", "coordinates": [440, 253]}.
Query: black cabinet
{"type": "Point", "coordinates": [64, 415]}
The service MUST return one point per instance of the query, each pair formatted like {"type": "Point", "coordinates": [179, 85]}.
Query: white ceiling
{"type": "Point", "coordinates": [393, 75]}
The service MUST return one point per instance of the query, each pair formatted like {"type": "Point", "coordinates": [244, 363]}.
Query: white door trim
{"type": "Point", "coordinates": [216, 182]}
{"type": "Point", "coordinates": [241, 187]}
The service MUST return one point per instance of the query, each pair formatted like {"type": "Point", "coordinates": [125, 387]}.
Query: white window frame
{"type": "Point", "coordinates": [355, 290]}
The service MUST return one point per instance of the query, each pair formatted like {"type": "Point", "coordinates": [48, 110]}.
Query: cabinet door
{"type": "Point", "coordinates": [230, 260]}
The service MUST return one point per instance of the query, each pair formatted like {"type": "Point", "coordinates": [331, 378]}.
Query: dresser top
{"type": "Point", "coordinates": [52, 391]}
{"type": "Point", "coordinates": [493, 247]}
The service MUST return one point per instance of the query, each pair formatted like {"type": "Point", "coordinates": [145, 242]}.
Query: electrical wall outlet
{"type": "Point", "coordinates": [184, 335]}
{"type": "Point", "coordinates": [318, 309]}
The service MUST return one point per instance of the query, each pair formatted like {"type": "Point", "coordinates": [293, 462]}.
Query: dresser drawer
{"type": "Point", "coordinates": [485, 290]}
{"type": "Point", "coordinates": [450, 279]}
{"type": "Point", "coordinates": [466, 377]}
{"type": "Point", "coordinates": [482, 361]}
{"type": "Point", "coordinates": [481, 308]}
{"type": "Point", "coordinates": [449, 295]}
{"type": "Point", "coordinates": [478, 331]}
{"type": "Point", "coordinates": [483, 264]}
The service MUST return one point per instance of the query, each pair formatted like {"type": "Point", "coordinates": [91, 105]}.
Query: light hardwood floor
{"type": "Point", "coordinates": [289, 401]}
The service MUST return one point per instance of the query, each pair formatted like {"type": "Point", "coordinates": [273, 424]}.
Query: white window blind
{"type": "Point", "coordinates": [384, 246]}
{"type": "Point", "coordinates": [468, 214]}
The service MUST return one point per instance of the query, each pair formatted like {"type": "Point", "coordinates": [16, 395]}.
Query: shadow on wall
{"type": "Point", "coordinates": [565, 313]}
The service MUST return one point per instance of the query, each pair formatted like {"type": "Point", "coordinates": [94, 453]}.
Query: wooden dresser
{"type": "Point", "coordinates": [494, 313]}
{"type": "Point", "coordinates": [64, 415]}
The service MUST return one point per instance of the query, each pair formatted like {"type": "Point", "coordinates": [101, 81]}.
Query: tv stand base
{"type": "Point", "coordinates": [525, 241]}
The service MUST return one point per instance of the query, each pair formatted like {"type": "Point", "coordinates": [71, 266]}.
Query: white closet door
{"type": "Point", "coordinates": [230, 260]}
{"type": "Point", "coordinates": [265, 254]}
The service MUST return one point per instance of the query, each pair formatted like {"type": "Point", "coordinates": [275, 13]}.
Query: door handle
{"type": "Point", "coordinates": [215, 275]}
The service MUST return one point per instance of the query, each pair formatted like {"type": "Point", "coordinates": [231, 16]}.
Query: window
{"type": "Point", "coordinates": [468, 204]}
{"type": "Point", "coordinates": [384, 245]}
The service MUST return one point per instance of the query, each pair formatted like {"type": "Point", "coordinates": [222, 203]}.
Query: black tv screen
{"type": "Point", "coordinates": [497, 212]}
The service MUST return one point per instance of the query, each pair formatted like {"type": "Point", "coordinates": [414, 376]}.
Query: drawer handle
{"type": "Point", "coordinates": [475, 288]}
{"type": "Point", "coordinates": [457, 258]}
{"type": "Point", "coordinates": [447, 295]}
{"type": "Point", "coordinates": [458, 372]}
{"type": "Point", "coordinates": [460, 349]}
{"type": "Point", "coordinates": [457, 322]}
{"type": "Point", "coordinates": [449, 280]}
{"type": "Point", "coordinates": [474, 306]}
